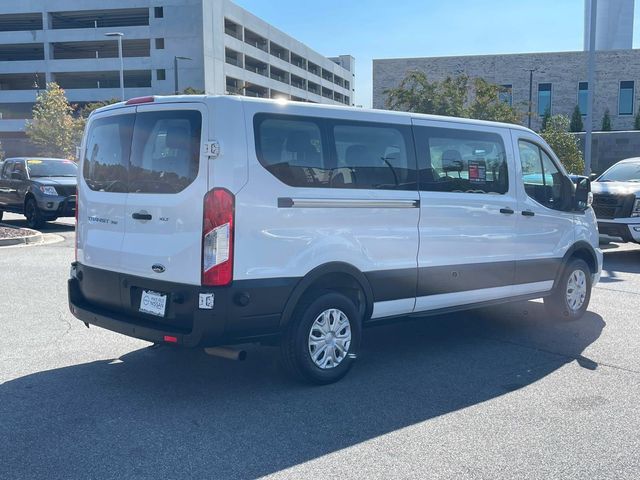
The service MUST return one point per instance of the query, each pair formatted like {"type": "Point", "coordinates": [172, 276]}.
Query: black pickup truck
{"type": "Point", "coordinates": [41, 189]}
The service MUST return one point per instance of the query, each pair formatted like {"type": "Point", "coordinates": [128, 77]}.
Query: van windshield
{"type": "Point", "coordinates": [149, 152]}
{"type": "Point", "coordinates": [622, 172]}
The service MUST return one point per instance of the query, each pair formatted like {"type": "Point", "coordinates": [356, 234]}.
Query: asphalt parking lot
{"type": "Point", "coordinates": [495, 393]}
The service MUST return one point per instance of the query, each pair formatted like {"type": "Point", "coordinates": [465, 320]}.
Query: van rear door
{"type": "Point", "coordinates": [103, 188]}
{"type": "Point", "coordinates": [167, 184]}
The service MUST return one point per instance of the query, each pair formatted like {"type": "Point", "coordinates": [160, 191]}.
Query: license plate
{"type": "Point", "coordinates": [153, 303]}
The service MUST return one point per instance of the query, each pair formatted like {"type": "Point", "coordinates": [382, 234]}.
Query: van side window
{"type": "Point", "coordinates": [355, 155]}
{"type": "Point", "coordinates": [291, 149]}
{"type": "Point", "coordinates": [463, 161]}
{"type": "Point", "coordinates": [372, 156]}
{"type": "Point", "coordinates": [106, 156]}
{"type": "Point", "coordinates": [541, 177]}
{"type": "Point", "coordinates": [165, 154]}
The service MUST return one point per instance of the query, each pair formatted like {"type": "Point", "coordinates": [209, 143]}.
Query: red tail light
{"type": "Point", "coordinates": [217, 238]}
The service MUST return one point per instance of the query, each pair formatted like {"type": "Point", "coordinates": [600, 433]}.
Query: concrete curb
{"type": "Point", "coordinates": [34, 237]}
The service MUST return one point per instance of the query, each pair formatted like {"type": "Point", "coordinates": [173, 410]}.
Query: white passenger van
{"type": "Point", "coordinates": [216, 221]}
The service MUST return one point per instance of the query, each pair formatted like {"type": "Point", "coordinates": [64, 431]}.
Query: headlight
{"type": "Point", "coordinates": [48, 190]}
{"type": "Point", "coordinates": [636, 208]}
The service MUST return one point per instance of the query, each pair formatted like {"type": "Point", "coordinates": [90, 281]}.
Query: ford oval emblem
{"type": "Point", "coordinates": [158, 268]}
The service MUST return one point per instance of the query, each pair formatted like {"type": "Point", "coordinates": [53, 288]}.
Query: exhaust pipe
{"type": "Point", "coordinates": [227, 352]}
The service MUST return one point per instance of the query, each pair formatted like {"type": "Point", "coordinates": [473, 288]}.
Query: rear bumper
{"type": "Point", "coordinates": [628, 232]}
{"type": "Point", "coordinates": [245, 311]}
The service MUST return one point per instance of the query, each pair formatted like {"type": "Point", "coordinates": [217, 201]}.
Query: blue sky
{"type": "Point", "coordinates": [420, 28]}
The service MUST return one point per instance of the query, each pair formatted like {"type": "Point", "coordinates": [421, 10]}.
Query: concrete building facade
{"type": "Point", "coordinates": [221, 49]}
{"type": "Point", "coordinates": [559, 81]}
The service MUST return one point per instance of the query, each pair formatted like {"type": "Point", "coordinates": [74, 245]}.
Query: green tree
{"type": "Point", "coordinates": [85, 111]}
{"type": "Point", "coordinates": [417, 94]}
{"type": "Point", "coordinates": [636, 121]}
{"type": "Point", "coordinates": [1, 152]}
{"type": "Point", "coordinates": [54, 129]}
{"type": "Point", "coordinates": [606, 121]}
{"type": "Point", "coordinates": [192, 91]}
{"type": "Point", "coordinates": [576, 124]}
{"type": "Point", "coordinates": [545, 120]}
{"type": "Point", "coordinates": [450, 97]}
{"type": "Point", "coordinates": [564, 144]}
{"type": "Point", "coordinates": [487, 104]}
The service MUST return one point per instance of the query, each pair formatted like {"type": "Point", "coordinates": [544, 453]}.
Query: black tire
{"type": "Point", "coordinates": [32, 212]}
{"type": "Point", "coordinates": [1, 213]}
{"type": "Point", "coordinates": [558, 304]}
{"type": "Point", "coordinates": [295, 349]}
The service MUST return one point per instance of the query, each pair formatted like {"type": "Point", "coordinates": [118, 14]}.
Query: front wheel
{"type": "Point", "coordinates": [572, 293]}
{"type": "Point", "coordinates": [320, 344]}
{"type": "Point", "coordinates": [33, 214]}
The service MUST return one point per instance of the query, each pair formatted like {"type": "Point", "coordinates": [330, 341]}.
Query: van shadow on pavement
{"type": "Point", "coordinates": [164, 413]}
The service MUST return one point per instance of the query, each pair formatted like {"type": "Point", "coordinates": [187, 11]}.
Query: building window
{"type": "Point", "coordinates": [583, 94]}
{"type": "Point", "coordinates": [544, 98]}
{"type": "Point", "coordinates": [161, 74]}
{"type": "Point", "coordinates": [159, 43]}
{"type": "Point", "coordinates": [158, 12]}
{"type": "Point", "coordinates": [506, 94]}
{"type": "Point", "coordinates": [625, 99]}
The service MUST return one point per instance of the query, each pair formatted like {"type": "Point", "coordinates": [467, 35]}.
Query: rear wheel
{"type": "Point", "coordinates": [320, 344]}
{"type": "Point", "coordinates": [571, 296]}
{"type": "Point", "coordinates": [32, 212]}
{"type": "Point", "coordinates": [1, 213]}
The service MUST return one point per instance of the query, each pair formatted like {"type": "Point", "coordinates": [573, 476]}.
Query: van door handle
{"type": "Point", "coordinates": [507, 211]}
{"type": "Point", "coordinates": [528, 213]}
{"type": "Point", "coordinates": [141, 216]}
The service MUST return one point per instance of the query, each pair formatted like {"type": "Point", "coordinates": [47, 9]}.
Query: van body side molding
{"type": "Point", "coordinates": [288, 202]}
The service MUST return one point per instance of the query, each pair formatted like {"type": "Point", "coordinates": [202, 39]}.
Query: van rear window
{"type": "Point", "coordinates": [165, 152]}
{"type": "Point", "coordinates": [106, 157]}
{"type": "Point", "coordinates": [149, 152]}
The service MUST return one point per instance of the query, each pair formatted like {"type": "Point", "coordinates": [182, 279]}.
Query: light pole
{"type": "Point", "coordinates": [175, 72]}
{"type": "Point", "coordinates": [119, 35]}
{"type": "Point", "coordinates": [36, 85]}
{"type": "Point", "coordinates": [591, 84]}
{"type": "Point", "coordinates": [530, 70]}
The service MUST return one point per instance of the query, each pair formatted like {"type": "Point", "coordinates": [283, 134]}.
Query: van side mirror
{"type": "Point", "coordinates": [582, 197]}
{"type": "Point", "coordinates": [593, 177]}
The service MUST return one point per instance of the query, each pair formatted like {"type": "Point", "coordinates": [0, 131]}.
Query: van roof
{"type": "Point", "coordinates": [317, 106]}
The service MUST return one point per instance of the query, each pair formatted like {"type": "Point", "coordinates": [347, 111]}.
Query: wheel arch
{"type": "Point", "coordinates": [337, 276]}
{"type": "Point", "coordinates": [27, 196]}
{"type": "Point", "coordinates": [583, 251]}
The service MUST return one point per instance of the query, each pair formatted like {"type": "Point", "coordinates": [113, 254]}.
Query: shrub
{"type": "Point", "coordinates": [576, 121]}
{"type": "Point", "coordinates": [606, 121]}
{"type": "Point", "coordinates": [564, 144]}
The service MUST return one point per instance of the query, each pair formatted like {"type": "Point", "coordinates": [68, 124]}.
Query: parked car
{"type": "Point", "coordinates": [41, 189]}
{"type": "Point", "coordinates": [213, 221]}
{"type": "Point", "coordinates": [616, 201]}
